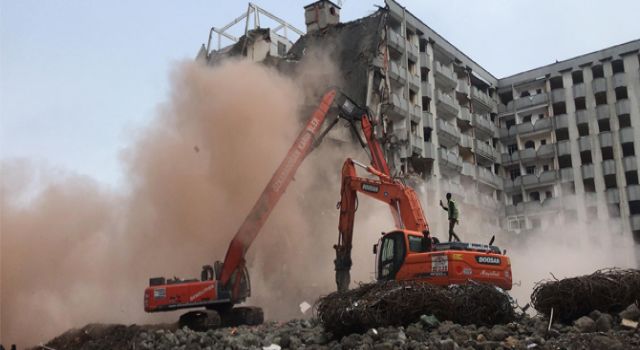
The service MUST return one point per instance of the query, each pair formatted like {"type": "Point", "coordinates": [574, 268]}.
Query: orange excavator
{"type": "Point", "coordinates": [227, 283]}
{"type": "Point", "coordinates": [406, 253]}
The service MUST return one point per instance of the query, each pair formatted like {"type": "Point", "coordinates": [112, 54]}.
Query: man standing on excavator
{"type": "Point", "coordinates": [452, 210]}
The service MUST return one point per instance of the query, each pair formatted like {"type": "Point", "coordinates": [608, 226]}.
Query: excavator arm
{"type": "Point", "coordinates": [402, 200]}
{"type": "Point", "coordinates": [234, 261]}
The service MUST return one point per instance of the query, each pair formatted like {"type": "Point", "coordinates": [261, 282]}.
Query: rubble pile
{"type": "Point", "coordinates": [394, 303]}
{"type": "Point", "coordinates": [596, 331]}
{"type": "Point", "coordinates": [609, 290]}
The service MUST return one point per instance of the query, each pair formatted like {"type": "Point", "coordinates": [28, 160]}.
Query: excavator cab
{"type": "Point", "coordinates": [391, 255]}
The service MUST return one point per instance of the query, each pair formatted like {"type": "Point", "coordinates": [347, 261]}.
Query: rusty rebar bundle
{"type": "Point", "coordinates": [607, 290]}
{"type": "Point", "coordinates": [394, 303]}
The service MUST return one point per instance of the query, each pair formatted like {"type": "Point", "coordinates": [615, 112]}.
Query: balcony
{"type": "Point", "coordinates": [399, 108]}
{"type": "Point", "coordinates": [426, 89]}
{"type": "Point", "coordinates": [396, 41]}
{"type": "Point", "coordinates": [623, 107]}
{"type": "Point", "coordinates": [618, 80]}
{"type": "Point", "coordinates": [446, 104]}
{"type": "Point", "coordinates": [397, 73]}
{"type": "Point", "coordinates": [599, 85]}
{"type": "Point", "coordinates": [612, 195]}
{"type": "Point", "coordinates": [484, 125]}
{"type": "Point", "coordinates": [606, 140]}
{"type": "Point", "coordinates": [564, 148]}
{"type": "Point", "coordinates": [584, 143]}
{"type": "Point", "coordinates": [413, 51]}
{"type": "Point", "coordinates": [602, 112]}
{"type": "Point", "coordinates": [427, 120]}
{"type": "Point", "coordinates": [626, 135]}
{"type": "Point", "coordinates": [417, 143]}
{"type": "Point", "coordinates": [512, 210]}
{"type": "Point", "coordinates": [514, 185]}
{"type": "Point", "coordinates": [578, 90]}
{"type": "Point", "coordinates": [545, 151]}
{"type": "Point", "coordinates": [526, 155]}
{"type": "Point", "coordinates": [566, 174]}
{"type": "Point", "coordinates": [415, 112]}
{"type": "Point", "coordinates": [466, 141]}
{"type": "Point", "coordinates": [541, 125]}
{"type": "Point", "coordinates": [545, 178]}
{"type": "Point", "coordinates": [489, 178]}
{"type": "Point", "coordinates": [485, 150]}
{"type": "Point", "coordinates": [400, 132]}
{"type": "Point", "coordinates": [609, 167]}
{"type": "Point", "coordinates": [450, 161]}
{"type": "Point", "coordinates": [480, 98]}
{"type": "Point", "coordinates": [557, 95]}
{"type": "Point", "coordinates": [562, 121]}
{"type": "Point", "coordinates": [414, 81]}
{"type": "Point", "coordinates": [448, 134]}
{"type": "Point", "coordinates": [430, 150]}
{"type": "Point", "coordinates": [445, 75]}
{"type": "Point", "coordinates": [629, 163]}
{"type": "Point", "coordinates": [468, 169]}
{"type": "Point", "coordinates": [531, 101]}
{"type": "Point", "coordinates": [464, 87]}
{"type": "Point", "coordinates": [587, 171]}
{"type": "Point", "coordinates": [633, 192]}
{"type": "Point", "coordinates": [582, 117]}
{"type": "Point", "coordinates": [425, 60]}
{"type": "Point", "coordinates": [464, 115]}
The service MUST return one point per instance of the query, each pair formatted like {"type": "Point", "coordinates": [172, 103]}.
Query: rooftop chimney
{"type": "Point", "coordinates": [321, 14]}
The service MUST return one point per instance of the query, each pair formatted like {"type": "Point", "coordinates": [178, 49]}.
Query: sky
{"type": "Point", "coordinates": [78, 78]}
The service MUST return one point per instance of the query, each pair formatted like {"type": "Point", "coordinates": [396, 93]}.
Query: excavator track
{"type": "Point", "coordinates": [244, 315]}
{"type": "Point", "coordinates": [204, 320]}
{"type": "Point", "coordinates": [201, 320]}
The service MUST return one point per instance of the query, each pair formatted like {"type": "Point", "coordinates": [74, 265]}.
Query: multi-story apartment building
{"type": "Point", "coordinates": [549, 144]}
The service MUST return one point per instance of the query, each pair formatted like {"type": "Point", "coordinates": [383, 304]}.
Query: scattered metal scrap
{"type": "Point", "coordinates": [607, 290]}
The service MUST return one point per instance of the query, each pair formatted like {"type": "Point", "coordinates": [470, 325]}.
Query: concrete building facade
{"type": "Point", "coordinates": [539, 147]}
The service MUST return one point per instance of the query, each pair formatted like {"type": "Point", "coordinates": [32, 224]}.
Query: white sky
{"type": "Point", "coordinates": [78, 77]}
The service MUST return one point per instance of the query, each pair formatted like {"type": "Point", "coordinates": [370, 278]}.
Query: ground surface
{"type": "Point", "coordinates": [599, 331]}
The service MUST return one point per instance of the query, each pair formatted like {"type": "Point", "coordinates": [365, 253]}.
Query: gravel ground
{"type": "Point", "coordinates": [596, 331]}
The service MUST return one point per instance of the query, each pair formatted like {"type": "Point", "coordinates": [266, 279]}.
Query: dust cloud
{"type": "Point", "coordinates": [74, 252]}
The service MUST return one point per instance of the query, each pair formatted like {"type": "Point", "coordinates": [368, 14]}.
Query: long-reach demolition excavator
{"type": "Point", "coordinates": [405, 253]}
{"type": "Point", "coordinates": [226, 284]}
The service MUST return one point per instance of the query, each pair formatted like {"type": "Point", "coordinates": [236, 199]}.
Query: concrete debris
{"type": "Point", "coordinates": [585, 324]}
{"type": "Point", "coordinates": [304, 307]}
{"type": "Point", "coordinates": [526, 333]}
{"type": "Point", "coordinates": [629, 323]}
{"type": "Point", "coordinates": [632, 312]}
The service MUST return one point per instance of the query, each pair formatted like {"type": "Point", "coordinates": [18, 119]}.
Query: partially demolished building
{"type": "Point", "coordinates": [553, 143]}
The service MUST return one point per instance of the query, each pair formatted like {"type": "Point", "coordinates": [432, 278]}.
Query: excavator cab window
{"type": "Point", "coordinates": [417, 244]}
{"type": "Point", "coordinates": [391, 257]}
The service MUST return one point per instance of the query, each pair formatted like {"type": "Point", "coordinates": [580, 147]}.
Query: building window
{"type": "Point", "coordinates": [607, 153]}
{"type": "Point", "coordinates": [526, 119]}
{"type": "Point", "coordinates": [534, 196]}
{"type": "Point", "coordinates": [516, 199]}
{"type": "Point", "coordinates": [531, 169]}
{"type": "Point", "coordinates": [564, 162]}
{"type": "Point", "coordinates": [545, 167]}
{"type": "Point", "coordinates": [512, 148]}
{"type": "Point", "coordinates": [543, 142]}
{"type": "Point", "coordinates": [597, 71]}
{"type": "Point", "coordinates": [538, 91]}
{"type": "Point", "coordinates": [628, 149]}
{"type": "Point", "coordinates": [558, 109]}
{"type": "Point", "coordinates": [282, 49]}
{"type": "Point", "coordinates": [631, 177]}
{"type": "Point", "coordinates": [556, 83]}
{"type": "Point", "coordinates": [577, 77]}
{"type": "Point", "coordinates": [589, 185]}
{"type": "Point", "coordinates": [603, 125]}
{"type": "Point", "coordinates": [621, 93]}
{"type": "Point", "coordinates": [562, 134]}
{"type": "Point", "coordinates": [514, 173]}
{"type": "Point", "coordinates": [529, 144]}
{"type": "Point", "coordinates": [601, 98]}
{"type": "Point", "coordinates": [624, 120]}
{"type": "Point", "coordinates": [585, 157]}
{"type": "Point", "coordinates": [610, 181]}
{"type": "Point", "coordinates": [634, 207]}
{"type": "Point", "coordinates": [547, 194]}
{"type": "Point", "coordinates": [583, 129]}
{"type": "Point", "coordinates": [581, 103]}
{"type": "Point", "coordinates": [617, 66]}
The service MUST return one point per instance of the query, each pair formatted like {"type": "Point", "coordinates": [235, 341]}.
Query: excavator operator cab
{"type": "Point", "coordinates": [391, 250]}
